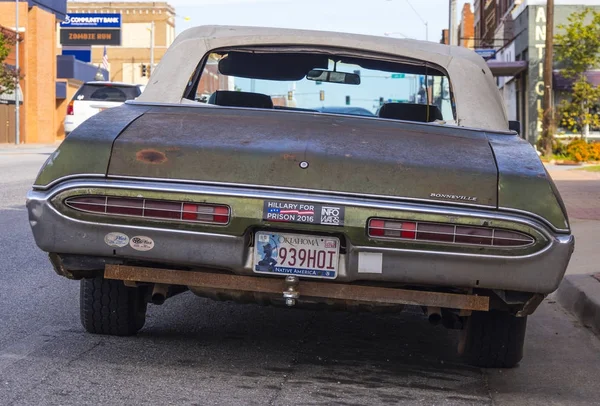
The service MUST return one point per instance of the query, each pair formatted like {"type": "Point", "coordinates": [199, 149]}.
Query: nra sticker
{"type": "Point", "coordinates": [141, 243]}
{"type": "Point", "coordinates": [116, 240]}
{"type": "Point", "coordinates": [299, 212]}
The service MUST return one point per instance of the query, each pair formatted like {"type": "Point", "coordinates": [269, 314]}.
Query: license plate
{"type": "Point", "coordinates": [296, 254]}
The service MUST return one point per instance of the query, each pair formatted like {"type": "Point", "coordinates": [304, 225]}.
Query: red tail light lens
{"type": "Point", "coordinates": [206, 214]}
{"type": "Point", "coordinates": [447, 233]}
{"type": "Point", "coordinates": [152, 209]}
{"type": "Point", "coordinates": [394, 229]}
{"type": "Point", "coordinates": [70, 108]}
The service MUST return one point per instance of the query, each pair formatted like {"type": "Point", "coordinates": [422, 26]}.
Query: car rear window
{"type": "Point", "coordinates": [105, 92]}
{"type": "Point", "coordinates": [332, 82]}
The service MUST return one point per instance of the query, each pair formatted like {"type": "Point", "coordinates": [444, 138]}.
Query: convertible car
{"type": "Point", "coordinates": [252, 194]}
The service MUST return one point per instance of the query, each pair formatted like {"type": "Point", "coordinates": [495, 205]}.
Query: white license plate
{"type": "Point", "coordinates": [296, 254]}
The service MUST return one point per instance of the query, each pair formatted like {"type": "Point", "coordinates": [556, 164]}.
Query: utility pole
{"type": "Point", "coordinates": [548, 115]}
{"type": "Point", "coordinates": [17, 78]}
{"type": "Point", "coordinates": [449, 22]}
{"type": "Point", "coordinates": [453, 22]}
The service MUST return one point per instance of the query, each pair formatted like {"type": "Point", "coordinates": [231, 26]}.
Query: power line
{"type": "Point", "coordinates": [418, 15]}
{"type": "Point", "coordinates": [422, 20]}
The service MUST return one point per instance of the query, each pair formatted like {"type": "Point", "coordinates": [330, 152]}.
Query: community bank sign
{"type": "Point", "coordinates": [88, 20]}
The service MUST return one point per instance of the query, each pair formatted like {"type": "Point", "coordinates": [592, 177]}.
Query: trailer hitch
{"type": "Point", "coordinates": [290, 294]}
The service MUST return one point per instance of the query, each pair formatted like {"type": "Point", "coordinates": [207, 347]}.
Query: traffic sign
{"type": "Point", "coordinates": [486, 53]}
{"type": "Point", "coordinates": [398, 75]}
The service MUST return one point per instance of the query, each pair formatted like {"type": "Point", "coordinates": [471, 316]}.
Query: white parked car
{"type": "Point", "coordinates": [93, 97]}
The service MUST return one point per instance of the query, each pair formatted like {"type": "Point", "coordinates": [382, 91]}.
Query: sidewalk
{"type": "Point", "coordinates": [579, 292]}
{"type": "Point", "coordinates": [12, 149]}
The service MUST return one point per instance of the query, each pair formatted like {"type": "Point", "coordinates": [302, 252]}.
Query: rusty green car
{"type": "Point", "coordinates": [308, 169]}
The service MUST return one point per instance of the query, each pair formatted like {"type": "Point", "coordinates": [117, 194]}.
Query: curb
{"type": "Point", "coordinates": [580, 295]}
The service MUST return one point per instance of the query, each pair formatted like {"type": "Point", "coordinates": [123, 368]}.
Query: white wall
{"type": "Point", "coordinates": [135, 35]}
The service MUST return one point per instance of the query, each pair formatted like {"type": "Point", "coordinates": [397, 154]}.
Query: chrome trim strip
{"type": "Point", "coordinates": [462, 254]}
{"type": "Point", "coordinates": [277, 188]}
{"type": "Point", "coordinates": [318, 192]}
{"type": "Point", "coordinates": [132, 227]}
{"type": "Point", "coordinates": [321, 198]}
{"type": "Point", "coordinates": [67, 178]}
{"type": "Point", "coordinates": [536, 216]}
{"type": "Point", "coordinates": [285, 189]}
{"type": "Point", "coordinates": [553, 241]}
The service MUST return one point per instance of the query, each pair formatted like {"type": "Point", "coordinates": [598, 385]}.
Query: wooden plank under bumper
{"type": "Point", "coordinates": [341, 291]}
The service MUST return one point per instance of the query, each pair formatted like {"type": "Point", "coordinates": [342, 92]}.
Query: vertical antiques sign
{"type": "Point", "coordinates": [91, 29]}
{"type": "Point", "coordinates": [536, 70]}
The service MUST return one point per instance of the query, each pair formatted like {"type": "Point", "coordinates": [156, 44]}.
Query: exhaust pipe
{"type": "Point", "coordinates": [434, 315]}
{"type": "Point", "coordinates": [159, 293]}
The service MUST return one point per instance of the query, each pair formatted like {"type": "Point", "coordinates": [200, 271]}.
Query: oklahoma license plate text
{"type": "Point", "coordinates": [296, 254]}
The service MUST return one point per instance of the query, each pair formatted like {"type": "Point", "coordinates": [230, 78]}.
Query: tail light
{"type": "Point", "coordinates": [447, 233]}
{"type": "Point", "coordinates": [151, 209]}
{"type": "Point", "coordinates": [70, 108]}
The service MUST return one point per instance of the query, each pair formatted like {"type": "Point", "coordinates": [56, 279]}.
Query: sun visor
{"type": "Point", "coordinates": [270, 66]}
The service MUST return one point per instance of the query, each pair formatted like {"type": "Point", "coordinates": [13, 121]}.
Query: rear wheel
{"type": "Point", "coordinates": [494, 339]}
{"type": "Point", "coordinates": [109, 307]}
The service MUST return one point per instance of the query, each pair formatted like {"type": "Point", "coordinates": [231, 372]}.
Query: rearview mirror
{"type": "Point", "coordinates": [333, 77]}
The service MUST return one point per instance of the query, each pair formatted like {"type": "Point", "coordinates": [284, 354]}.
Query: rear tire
{"type": "Point", "coordinates": [494, 339]}
{"type": "Point", "coordinates": [109, 307]}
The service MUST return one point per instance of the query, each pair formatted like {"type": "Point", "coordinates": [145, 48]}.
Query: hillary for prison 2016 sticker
{"type": "Point", "coordinates": [298, 212]}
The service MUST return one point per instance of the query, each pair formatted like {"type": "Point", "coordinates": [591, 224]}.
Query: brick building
{"type": "Point", "coordinates": [466, 29]}
{"type": "Point", "coordinates": [125, 61]}
{"type": "Point", "coordinates": [39, 119]}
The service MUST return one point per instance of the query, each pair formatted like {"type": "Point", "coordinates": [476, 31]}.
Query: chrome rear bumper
{"type": "Point", "coordinates": [539, 272]}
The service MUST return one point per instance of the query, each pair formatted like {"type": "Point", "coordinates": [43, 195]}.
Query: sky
{"type": "Point", "coordinates": [372, 17]}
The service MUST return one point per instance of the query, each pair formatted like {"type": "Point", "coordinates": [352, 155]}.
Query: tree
{"type": "Point", "coordinates": [582, 109]}
{"type": "Point", "coordinates": [578, 50]}
{"type": "Point", "coordinates": [7, 75]}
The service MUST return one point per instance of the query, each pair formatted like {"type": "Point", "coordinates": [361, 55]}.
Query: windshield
{"type": "Point", "coordinates": [107, 92]}
{"type": "Point", "coordinates": [398, 85]}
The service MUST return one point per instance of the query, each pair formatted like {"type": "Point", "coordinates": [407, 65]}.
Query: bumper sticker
{"type": "Point", "coordinates": [116, 240]}
{"type": "Point", "coordinates": [298, 212]}
{"type": "Point", "coordinates": [141, 243]}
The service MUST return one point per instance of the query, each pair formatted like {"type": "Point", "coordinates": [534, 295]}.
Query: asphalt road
{"type": "Point", "coordinates": [197, 352]}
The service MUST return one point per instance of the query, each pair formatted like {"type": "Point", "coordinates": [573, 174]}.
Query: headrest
{"type": "Point", "coordinates": [240, 99]}
{"type": "Point", "coordinates": [411, 112]}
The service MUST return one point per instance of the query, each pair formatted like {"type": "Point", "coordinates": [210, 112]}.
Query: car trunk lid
{"type": "Point", "coordinates": [351, 155]}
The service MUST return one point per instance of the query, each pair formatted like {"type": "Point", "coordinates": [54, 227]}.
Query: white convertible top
{"type": "Point", "coordinates": [478, 101]}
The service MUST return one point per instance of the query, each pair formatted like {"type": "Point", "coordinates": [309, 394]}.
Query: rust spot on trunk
{"type": "Point", "coordinates": [289, 157]}
{"type": "Point", "coordinates": [151, 156]}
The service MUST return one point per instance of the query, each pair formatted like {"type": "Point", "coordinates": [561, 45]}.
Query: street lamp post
{"type": "Point", "coordinates": [17, 117]}
{"type": "Point", "coordinates": [152, 46]}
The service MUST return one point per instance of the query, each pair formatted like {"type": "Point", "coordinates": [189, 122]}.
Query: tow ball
{"type": "Point", "coordinates": [291, 294]}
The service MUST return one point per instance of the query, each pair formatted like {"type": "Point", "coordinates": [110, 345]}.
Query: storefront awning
{"type": "Point", "coordinates": [562, 83]}
{"type": "Point", "coordinates": [502, 68]}
{"type": "Point", "coordinates": [9, 96]}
